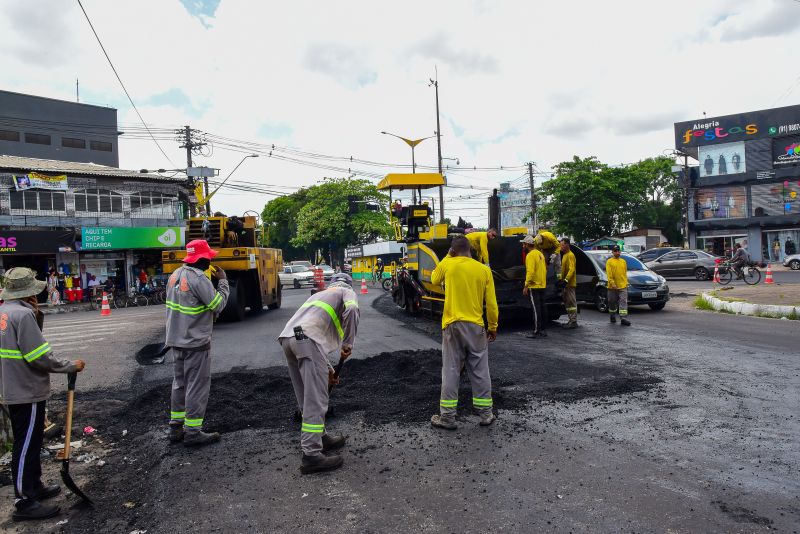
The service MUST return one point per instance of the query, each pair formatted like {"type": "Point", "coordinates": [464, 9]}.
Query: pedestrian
{"type": "Point", "coordinates": [26, 362]}
{"type": "Point", "coordinates": [534, 287]}
{"type": "Point", "coordinates": [617, 274]}
{"type": "Point", "coordinates": [568, 283]}
{"type": "Point", "coordinates": [327, 321]}
{"type": "Point", "coordinates": [468, 288]}
{"type": "Point", "coordinates": [479, 243]}
{"type": "Point", "coordinates": [192, 304]}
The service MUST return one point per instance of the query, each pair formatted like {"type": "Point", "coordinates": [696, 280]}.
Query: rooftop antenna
{"type": "Point", "coordinates": [77, 90]}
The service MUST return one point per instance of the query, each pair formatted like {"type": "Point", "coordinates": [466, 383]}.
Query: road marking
{"type": "Point", "coordinates": [72, 327]}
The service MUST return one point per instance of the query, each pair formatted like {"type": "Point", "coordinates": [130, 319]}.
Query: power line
{"type": "Point", "coordinates": [103, 48]}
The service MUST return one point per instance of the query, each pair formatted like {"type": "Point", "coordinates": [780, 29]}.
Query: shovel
{"type": "Point", "coordinates": [64, 454]}
{"type": "Point", "coordinates": [152, 354]}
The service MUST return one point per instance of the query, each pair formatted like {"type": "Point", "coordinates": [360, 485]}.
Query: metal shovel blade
{"type": "Point", "coordinates": [65, 454]}
{"type": "Point", "coordinates": [152, 354]}
{"type": "Point", "coordinates": [68, 482]}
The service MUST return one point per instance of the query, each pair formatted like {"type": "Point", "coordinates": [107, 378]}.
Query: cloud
{"type": "Point", "coordinates": [175, 98]}
{"type": "Point", "coordinates": [275, 130]}
{"type": "Point", "coordinates": [779, 19]}
{"type": "Point", "coordinates": [465, 62]}
{"type": "Point", "coordinates": [641, 124]}
{"type": "Point", "coordinates": [347, 65]}
{"type": "Point", "coordinates": [39, 27]}
{"type": "Point", "coordinates": [570, 128]}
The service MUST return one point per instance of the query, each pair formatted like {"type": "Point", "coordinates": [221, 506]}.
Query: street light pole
{"type": "Point", "coordinates": [208, 197]}
{"type": "Point", "coordinates": [435, 84]}
{"type": "Point", "coordinates": [413, 144]}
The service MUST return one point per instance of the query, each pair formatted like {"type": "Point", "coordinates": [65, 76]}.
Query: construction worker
{"type": "Point", "coordinates": [468, 286]}
{"type": "Point", "coordinates": [192, 304]}
{"type": "Point", "coordinates": [479, 243]}
{"type": "Point", "coordinates": [617, 274]}
{"type": "Point", "coordinates": [326, 322]}
{"type": "Point", "coordinates": [535, 283]}
{"type": "Point", "coordinates": [568, 283]}
{"type": "Point", "coordinates": [26, 362]}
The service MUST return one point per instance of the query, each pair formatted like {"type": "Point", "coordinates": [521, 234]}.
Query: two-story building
{"type": "Point", "coordinates": [746, 188]}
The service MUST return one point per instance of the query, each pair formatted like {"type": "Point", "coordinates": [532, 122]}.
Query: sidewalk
{"type": "Point", "coordinates": [773, 301]}
{"type": "Point", "coordinates": [65, 308]}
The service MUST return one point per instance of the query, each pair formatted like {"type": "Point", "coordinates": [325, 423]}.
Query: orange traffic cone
{"type": "Point", "coordinates": [716, 274]}
{"type": "Point", "coordinates": [105, 309]}
{"type": "Point", "coordinates": [769, 279]}
{"type": "Point", "coordinates": [364, 286]}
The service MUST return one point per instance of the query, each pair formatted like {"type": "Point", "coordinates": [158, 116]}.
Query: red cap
{"type": "Point", "coordinates": [198, 249]}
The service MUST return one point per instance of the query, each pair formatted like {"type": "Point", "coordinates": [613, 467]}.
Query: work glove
{"type": "Point", "coordinates": [346, 352]}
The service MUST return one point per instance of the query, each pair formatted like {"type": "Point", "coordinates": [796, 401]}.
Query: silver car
{"type": "Point", "coordinates": [678, 263]}
{"type": "Point", "coordinates": [793, 262]}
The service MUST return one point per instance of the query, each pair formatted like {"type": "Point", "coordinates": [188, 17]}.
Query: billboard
{"type": "Point", "coordinates": [103, 238]}
{"type": "Point", "coordinates": [514, 207]}
{"type": "Point", "coordinates": [779, 198]}
{"type": "Point", "coordinates": [36, 241]}
{"type": "Point", "coordinates": [720, 203]}
{"type": "Point", "coordinates": [716, 160]}
{"type": "Point", "coordinates": [34, 180]}
{"type": "Point", "coordinates": [767, 123]}
{"type": "Point", "coordinates": [786, 151]}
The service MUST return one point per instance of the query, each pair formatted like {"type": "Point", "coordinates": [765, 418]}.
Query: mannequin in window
{"type": "Point", "coordinates": [723, 167]}
{"type": "Point", "coordinates": [737, 161]}
{"type": "Point", "coordinates": [709, 165]}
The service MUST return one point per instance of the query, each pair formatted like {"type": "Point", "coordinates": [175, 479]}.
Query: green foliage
{"type": "Point", "coordinates": [702, 304]}
{"type": "Point", "coordinates": [280, 224]}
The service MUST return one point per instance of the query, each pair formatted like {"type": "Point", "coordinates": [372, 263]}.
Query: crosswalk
{"type": "Point", "coordinates": [77, 332]}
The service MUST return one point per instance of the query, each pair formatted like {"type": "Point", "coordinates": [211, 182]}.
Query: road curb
{"type": "Point", "coordinates": [754, 310]}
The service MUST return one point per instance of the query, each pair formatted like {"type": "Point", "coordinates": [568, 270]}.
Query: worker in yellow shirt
{"type": "Point", "coordinates": [468, 286]}
{"type": "Point", "coordinates": [479, 243]}
{"type": "Point", "coordinates": [617, 273]}
{"type": "Point", "coordinates": [568, 283]}
{"type": "Point", "coordinates": [535, 283]}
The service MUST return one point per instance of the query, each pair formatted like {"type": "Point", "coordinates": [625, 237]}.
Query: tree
{"type": "Point", "coordinates": [661, 203]}
{"type": "Point", "coordinates": [280, 224]}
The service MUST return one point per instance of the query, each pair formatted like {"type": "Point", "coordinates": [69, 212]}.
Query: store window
{"type": "Point", "coordinates": [781, 198]}
{"type": "Point", "coordinates": [93, 201]}
{"type": "Point", "coordinates": [32, 202]}
{"type": "Point", "coordinates": [720, 203]}
{"type": "Point", "coordinates": [777, 244]}
{"type": "Point", "coordinates": [721, 245]}
{"type": "Point", "coordinates": [153, 204]}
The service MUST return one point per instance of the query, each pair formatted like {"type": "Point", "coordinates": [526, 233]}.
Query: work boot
{"type": "Point", "coordinates": [175, 432]}
{"type": "Point", "coordinates": [613, 318]}
{"type": "Point", "coordinates": [43, 492]}
{"type": "Point", "coordinates": [447, 423]}
{"type": "Point", "coordinates": [29, 509]}
{"type": "Point", "coordinates": [200, 438]}
{"type": "Point", "coordinates": [570, 326]}
{"type": "Point", "coordinates": [625, 322]}
{"type": "Point", "coordinates": [320, 463]}
{"type": "Point", "coordinates": [542, 334]}
{"type": "Point", "coordinates": [487, 419]}
{"type": "Point", "coordinates": [331, 443]}
{"type": "Point", "coordinates": [532, 335]}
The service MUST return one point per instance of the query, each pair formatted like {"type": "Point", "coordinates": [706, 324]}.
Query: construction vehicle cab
{"type": "Point", "coordinates": [252, 270]}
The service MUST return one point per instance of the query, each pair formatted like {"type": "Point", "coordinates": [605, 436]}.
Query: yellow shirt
{"type": "Point", "coordinates": [479, 241]}
{"type": "Point", "coordinates": [535, 270]}
{"type": "Point", "coordinates": [617, 272]}
{"type": "Point", "coordinates": [568, 269]}
{"type": "Point", "coordinates": [468, 285]}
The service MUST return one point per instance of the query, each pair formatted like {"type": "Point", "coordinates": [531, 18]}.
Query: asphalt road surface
{"type": "Point", "coordinates": [685, 422]}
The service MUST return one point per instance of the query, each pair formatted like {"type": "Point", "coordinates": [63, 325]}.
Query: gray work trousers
{"type": "Point", "coordinates": [308, 370]}
{"type": "Point", "coordinates": [571, 304]}
{"type": "Point", "coordinates": [191, 384]}
{"type": "Point", "coordinates": [465, 344]}
{"type": "Point", "coordinates": [618, 301]}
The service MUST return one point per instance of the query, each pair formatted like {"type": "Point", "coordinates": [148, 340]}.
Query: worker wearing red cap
{"type": "Point", "coordinates": [192, 303]}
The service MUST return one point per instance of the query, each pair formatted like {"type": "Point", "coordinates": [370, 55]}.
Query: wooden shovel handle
{"type": "Point", "coordinates": [68, 420]}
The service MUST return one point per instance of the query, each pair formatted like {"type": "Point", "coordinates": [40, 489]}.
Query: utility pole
{"type": "Point", "coordinates": [686, 182]}
{"type": "Point", "coordinates": [435, 84]}
{"type": "Point", "coordinates": [534, 222]}
{"type": "Point", "coordinates": [191, 143]}
{"type": "Point", "coordinates": [77, 90]}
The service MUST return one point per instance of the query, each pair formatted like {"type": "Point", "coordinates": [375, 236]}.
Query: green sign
{"type": "Point", "coordinates": [106, 238]}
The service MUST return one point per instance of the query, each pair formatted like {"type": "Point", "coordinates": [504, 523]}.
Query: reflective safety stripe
{"type": "Point", "coordinates": [572, 309]}
{"type": "Point", "coordinates": [193, 422]}
{"type": "Point", "coordinates": [37, 352]}
{"type": "Point", "coordinates": [10, 354]}
{"type": "Point", "coordinates": [623, 312]}
{"type": "Point", "coordinates": [195, 310]}
{"type": "Point", "coordinates": [612, 310]}
{"type": "Point", "coordinates": [482, 403]}
{"type": "Point", "coordinates": [215, 301]}
{"type": "Point", "coordinates": [314, 429]}
{"type": "Point", "coordinates": [327, 307]}
{"type": "Point", "coordinates": [177, 415]}
{"type": "Point", "coordinates": [448, 403]}
{"type": "Point", "coordinates": [349, 303]}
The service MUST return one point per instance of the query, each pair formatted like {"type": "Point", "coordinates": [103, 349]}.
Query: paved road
{"type": "Point", "coordinates": [685, 422]}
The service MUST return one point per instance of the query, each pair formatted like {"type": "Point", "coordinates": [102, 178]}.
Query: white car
{"type": "Point", "coordinates": [296, 276]}
{"type": "Point", "coordinates": [793, 262]}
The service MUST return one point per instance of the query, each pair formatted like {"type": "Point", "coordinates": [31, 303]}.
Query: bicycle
{"type": "Point", "coordinates": [96, 299]}
{"type": "Point", "coordinates": [749, 274]}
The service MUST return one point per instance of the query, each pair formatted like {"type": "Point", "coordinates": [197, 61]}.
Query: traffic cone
{"type": "Point", "coordinates": [769, 279]}
{"type": "Point", "coordinates": [105, 309]}
{"type": "Point", "coordinates": [716, 274]}
{"type": "Point", "coordinates": [364, 286]}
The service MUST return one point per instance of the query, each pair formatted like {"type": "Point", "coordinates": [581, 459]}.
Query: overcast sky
{"type": "Point", "coordinates": [519, 80]}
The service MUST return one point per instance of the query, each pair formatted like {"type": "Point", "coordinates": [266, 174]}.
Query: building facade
{"type": "Point", "coordinates": [746, 187]}
{"type": "Point", "coordinates": [45, 128]}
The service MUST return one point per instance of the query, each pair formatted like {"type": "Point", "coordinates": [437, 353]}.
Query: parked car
{"type": "Point", "coordinates": [327, 271]}
{"type": "Point", "coordinates": [695, 263]}
{"type": "Point", "coordinates": [304, 263]}
{"type": "Point", "coordinates": [654, 253]}
{"type": "Point", "coordinates": [296, 276]}
{"type": "Point", "coordinates": [792, 261]}
{"type": "Point", "coordinates": [644, 286]}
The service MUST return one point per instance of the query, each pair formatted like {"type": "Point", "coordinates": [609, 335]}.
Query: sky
{"type": "Point", "coordinates": [519, 81]}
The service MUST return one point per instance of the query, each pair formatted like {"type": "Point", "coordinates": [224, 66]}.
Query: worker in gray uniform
{"type": "Point", "coordinates": [192, 304]}
{"type": "Point", "coordinates": [26, 361]}
{"type": "Point", "coordinates": [327, 321]}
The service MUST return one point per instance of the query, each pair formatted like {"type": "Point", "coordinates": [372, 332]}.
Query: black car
{"type": "Point", "coordinates": [652, 254]}
{"type": "Point", "coordinates": [644, 286]}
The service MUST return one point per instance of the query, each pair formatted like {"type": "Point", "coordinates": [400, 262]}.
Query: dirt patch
{"type": "Point", "coordinates": [742, 515]}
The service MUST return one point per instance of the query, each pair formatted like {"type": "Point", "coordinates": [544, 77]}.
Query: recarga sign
{"type": "Point", "coordinates": [741, 127]}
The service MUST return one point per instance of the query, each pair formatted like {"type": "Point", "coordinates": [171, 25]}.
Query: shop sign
{"type": "Point", "coordinates": [765, 175]}
{"type": "Point", "coordinates": [354, 251]}
{"type": "Point", "coordinates": [34, 180]}
{"type": "Point", "coordinates": [36, 241]}
{"type": "Point", "coordinates": [786, 151]}
{"type": "Point", "coordinates": [768, 123]}
{"type": "Point", "coordinates": [110, 238]}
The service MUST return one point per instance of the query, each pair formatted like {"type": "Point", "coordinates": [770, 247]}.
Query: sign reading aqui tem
{"type": "Point", "coordinates": [107, 238]}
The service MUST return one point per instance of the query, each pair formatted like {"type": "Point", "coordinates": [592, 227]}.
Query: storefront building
{"type": "Point", "coordinates": [746, 186]}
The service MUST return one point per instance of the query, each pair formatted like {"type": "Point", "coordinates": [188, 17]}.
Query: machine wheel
{"type": "Point", "coordinates": [794, 265]}
{"type": "Point", "coordinates": [657, 306]}
{"type": "Point", "coordinates": [702, 274]}
{"type": "Point", "coordinates": [296, 283]}
{"type": "Point", "coordinates": [277, 303]}
{"type": "Point", "coordinates": [601, 300]}
{"type": "Point", "coordinates": [237, 300]}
